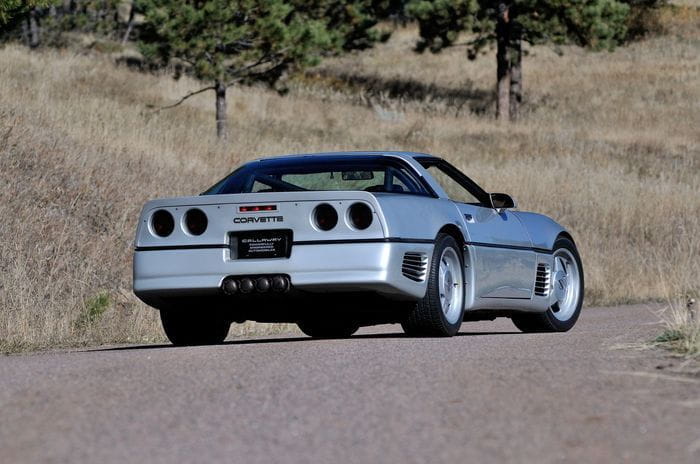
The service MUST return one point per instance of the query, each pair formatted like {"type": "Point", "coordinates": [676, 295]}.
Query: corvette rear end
{"type": "Point", "coordinates": [269, 242]}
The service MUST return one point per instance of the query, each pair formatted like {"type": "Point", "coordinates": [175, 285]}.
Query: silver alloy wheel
{"type": "Point", "coordinates": [566, 284]}
{"type": "Point", "coordinates": [450, 285]}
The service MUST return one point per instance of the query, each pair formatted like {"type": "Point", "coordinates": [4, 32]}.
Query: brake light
{"type": "Point", "coordinates": [255, 209]}
{"type": "Point", "coordinates": [360, 216]}
{"type": "Point", "coordinates": [196, 221]}
{"type": "Point", "coordinates": [325, 216]}
{"type": "Point", "coordinates": [162, 223]}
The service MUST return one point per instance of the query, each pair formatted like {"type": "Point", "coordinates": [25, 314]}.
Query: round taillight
{"type": "Point", "coordinates": [325, 216]}
{"type": "Point", "coordinates": [162, 223]}
{"type": "Point", "coordinates": [360, 216]}
{"type": "Point", "coordinates": [196, 221]}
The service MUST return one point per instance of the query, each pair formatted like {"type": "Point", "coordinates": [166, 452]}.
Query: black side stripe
{"type": "Point", "coordinates": [300, 243]}
{"type": "Point", "coordinates": [510, 247]}
{"type": "Point", "coordinates": [364, 240]}
{"type": "Point", "coordinates": [348, 241]}
{"type": "Point", "coordinates": [180, 247]}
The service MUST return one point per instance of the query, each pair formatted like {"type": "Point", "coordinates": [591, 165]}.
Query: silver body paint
{"type": "Point", "coordinates": [502, 250]}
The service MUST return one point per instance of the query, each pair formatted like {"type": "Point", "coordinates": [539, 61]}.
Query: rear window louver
{"type": "Point", "coordinates": [542, 280]}
{"type": "Point", "coordinates": [414, 266]}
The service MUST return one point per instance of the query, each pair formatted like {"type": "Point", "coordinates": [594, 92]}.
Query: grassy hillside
{"type": "Point", "coordinates": [609, 145]}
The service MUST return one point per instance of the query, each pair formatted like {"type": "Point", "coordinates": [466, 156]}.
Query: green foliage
{"type": "Point", "coordinates": [353, 21]}
{"type": "Point", "coordinates": [684, 339]}
{"type": "Point", "coordinates": [441, 21]}
{"type": "Point", "coordinates": [12, 8]}
{"type": "Point", "coordinates": [669, 335]}
{"type": "Point", "coordinates": [228, 41]}
{"type": "Point", "coordinates": [93, 310]}
{"type": "Point", "coordinates": [99, 17]}
{"type": "Point", "coordinates": [244, 40]}
{"type": "Point", "coordinates": [597, 24]}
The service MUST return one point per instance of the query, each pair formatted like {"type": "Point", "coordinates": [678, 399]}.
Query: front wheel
{"type": "Point", "coordinates": [192, 327]}
{"type": "Point", "coordinates": [440, 312]}
{"type": "Point", "coordinates": [566, 290]}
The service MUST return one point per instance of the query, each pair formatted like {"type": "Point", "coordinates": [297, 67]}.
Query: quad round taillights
{"type": "Point", "coordinates": [162, 223]}
{"type": "Point", "coordinates": [196, 221]}
{"type": "Point", "coordinates": [360, 216]}
{"type": "Point", "coordinates": [325, 216]}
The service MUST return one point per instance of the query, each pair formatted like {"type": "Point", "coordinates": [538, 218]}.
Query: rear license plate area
{"type": "Point", "coordinates": [261, 244]}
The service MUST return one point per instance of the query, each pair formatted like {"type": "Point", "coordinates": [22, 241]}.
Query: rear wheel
{"type": "Point", "coordinates": [328, 328]}
{"type": "Point", "coordinates": [567, 290]}
{"type": "Point", "coordinates": [192, 327]}
{"type": "Point", "coordinates": [441, 310]}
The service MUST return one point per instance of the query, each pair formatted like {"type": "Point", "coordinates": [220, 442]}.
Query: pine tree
{"type": "Point", "coordinates": [25, 14]}
{"type": "Point", "coordinates": [225, 42]}
{"type": "Point", "coordinates": [12, 8]}
{"type": "Point", "coordinates": [596, 24]}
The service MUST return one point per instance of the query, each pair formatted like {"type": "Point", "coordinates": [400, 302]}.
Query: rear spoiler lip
{"type": "Point", "coordinates": [261, 198]}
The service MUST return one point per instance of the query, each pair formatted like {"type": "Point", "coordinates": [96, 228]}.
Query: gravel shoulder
{"type": "Point", "coordinates": [491, 393]}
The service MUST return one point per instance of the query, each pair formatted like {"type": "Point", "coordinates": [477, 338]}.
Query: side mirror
{"type": "Point", "coordinates": [502, 201]}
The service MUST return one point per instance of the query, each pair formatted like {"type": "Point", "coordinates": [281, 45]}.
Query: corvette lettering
{"type": "Point", "coordinates": [245, 220]}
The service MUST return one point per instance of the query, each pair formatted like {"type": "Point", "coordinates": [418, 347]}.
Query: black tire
{"type": "Point", "coordinates": [426, 318]}
{"type": "Point", "coordinates": [191, 327]}
{"type": "Point", "coordinates": [319, 327]}
{"type": "Point", "coordinates": [547, 322]}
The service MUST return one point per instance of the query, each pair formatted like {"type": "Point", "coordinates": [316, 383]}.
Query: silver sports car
{"type": "Point", "coordinates": [334, 241]}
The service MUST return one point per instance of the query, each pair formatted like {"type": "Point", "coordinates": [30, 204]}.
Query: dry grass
{"type": "Point", "coordinates": [681, 315]}
{"type": "Point", "coordinates": [609, 145]}
{"type": "Point", "coordinates": [681, 327]}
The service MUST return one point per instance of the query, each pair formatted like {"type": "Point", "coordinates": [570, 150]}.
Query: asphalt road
{"type": "Point", "coordinates": [489, 394]}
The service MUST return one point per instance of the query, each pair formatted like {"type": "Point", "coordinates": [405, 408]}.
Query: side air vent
{"type": "Point", "coordinates": [415, 266]}
{"type": "Point", "coordinates": [542, 280]}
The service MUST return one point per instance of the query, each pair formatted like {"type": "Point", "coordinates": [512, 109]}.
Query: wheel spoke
{"type": "Point", "coordinates": [449, 284]}
{"type": "Point", "coordinates": [566, 284]}
{"type": "Point", "coordinates": [559, 264]}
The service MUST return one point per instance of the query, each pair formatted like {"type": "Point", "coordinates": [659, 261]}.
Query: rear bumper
{"type": "Point", "coordinates": [331, 267]}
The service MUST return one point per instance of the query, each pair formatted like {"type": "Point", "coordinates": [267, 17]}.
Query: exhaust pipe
{"type": "Point", "coordinates": [280, 283]}
{"type": "Point", "coordinates": [263, 284]}
{"type": "Point", "coordinates": [247, 285]}
{"type": "Point", "coordinates": [230, 286]}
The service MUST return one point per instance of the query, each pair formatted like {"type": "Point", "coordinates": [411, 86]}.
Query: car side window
{"type": "Point", "coordinates": [260, 187]}
{"type": "Point", "coordinates": [453, 189]}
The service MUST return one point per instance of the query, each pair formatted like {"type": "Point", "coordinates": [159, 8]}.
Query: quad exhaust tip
{"type": "Point", "coordinates": [229, 286]}
{"type": "Point", "coordinates": [233, 285]}
{"type": "Point", "coordinates": [246, 285]}
{"type": "Point", "coordinates": [262, 284]}
{"type": "Point", "coordinates": [280, 283]}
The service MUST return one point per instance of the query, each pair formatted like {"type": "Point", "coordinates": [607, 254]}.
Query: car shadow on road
{"type": "Point", "coordinates": [264, 341]}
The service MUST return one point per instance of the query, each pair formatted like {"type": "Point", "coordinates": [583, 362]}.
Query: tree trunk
{"type": "Point", "coordinates": [68, 7]}
{"type": "Point", "coordinates": [502, 63]}
{"type": "Point", "coordinates": [130, 24]}
{"type": "Point", "coordinates": [25, 31]}
{"type": "Point", "coordinates": [34, 33]}
{"type": "Point", "coordinates": [516, 75]}
{"type": "Point", "coordinates": [220, 89]}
